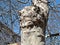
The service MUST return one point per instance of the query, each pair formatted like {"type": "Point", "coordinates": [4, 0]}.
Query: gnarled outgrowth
{"type": "Point", "coordinates": [33, 23]}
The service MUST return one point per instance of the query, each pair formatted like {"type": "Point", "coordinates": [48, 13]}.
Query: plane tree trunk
{"type": "Point", "coordinates": [33, 20]}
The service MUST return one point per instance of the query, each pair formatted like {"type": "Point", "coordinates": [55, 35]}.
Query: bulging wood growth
{"type": "Point", "coordinates": [33, 23]}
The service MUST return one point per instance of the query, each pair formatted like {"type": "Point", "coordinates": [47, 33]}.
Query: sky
{"type": "Point", "coordinates": [14, 7]}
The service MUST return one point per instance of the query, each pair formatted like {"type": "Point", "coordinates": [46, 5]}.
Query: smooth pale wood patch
{"type": "Point", "coordinates": [15, 44]}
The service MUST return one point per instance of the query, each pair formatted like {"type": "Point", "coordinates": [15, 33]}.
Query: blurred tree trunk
{"type": "Point", "coordinates": [33, 20]}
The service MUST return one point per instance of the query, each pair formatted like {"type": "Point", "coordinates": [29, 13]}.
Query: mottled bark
{"type": "Point", "coordinates": [33, 21]}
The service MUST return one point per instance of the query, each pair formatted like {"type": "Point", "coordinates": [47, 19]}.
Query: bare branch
{"type": "Point", "coordinates": [23, 2]}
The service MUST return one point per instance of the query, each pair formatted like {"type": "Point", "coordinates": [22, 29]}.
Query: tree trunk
{"type": "Point", "coordinates": [33, 21]}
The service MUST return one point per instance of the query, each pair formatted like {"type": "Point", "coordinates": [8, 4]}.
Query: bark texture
{"type": "Point", "coordinates": [33, 23]}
